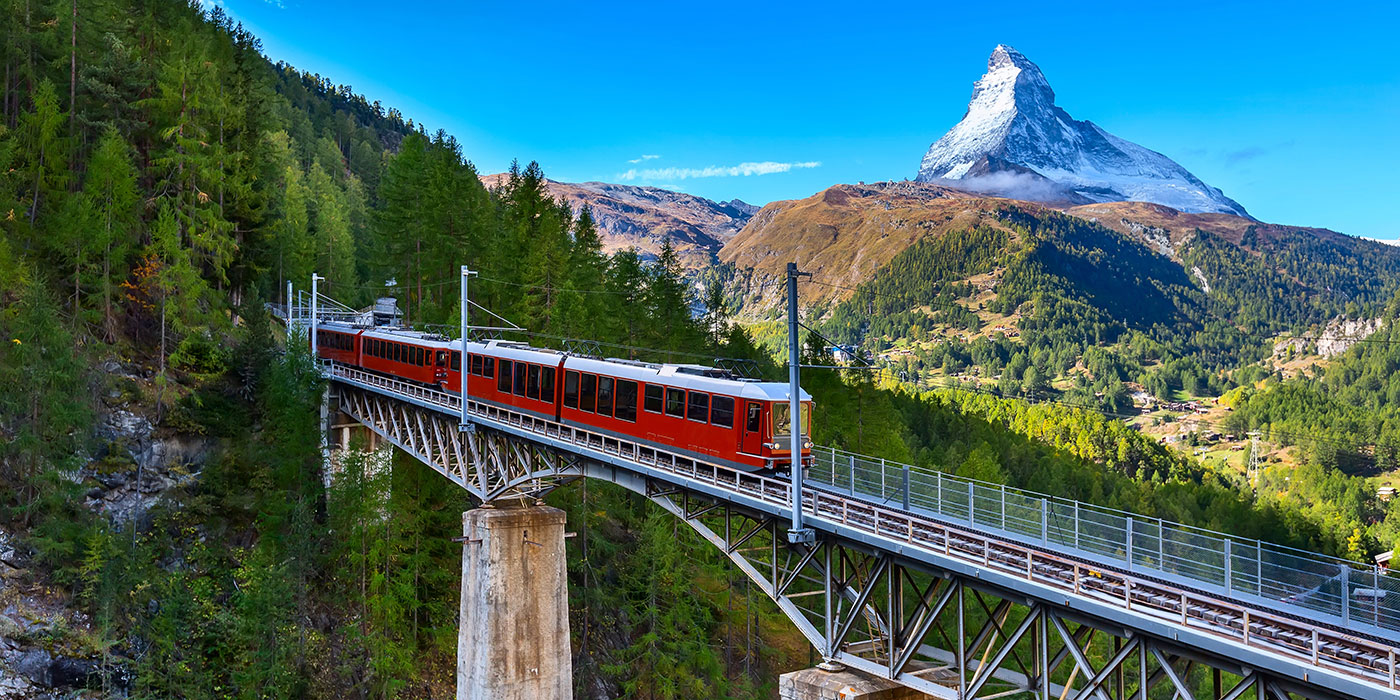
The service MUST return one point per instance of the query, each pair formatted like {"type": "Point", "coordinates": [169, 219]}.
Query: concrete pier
{"type": "Point", "coordinates": [513, 642]}
{"type": "Point", "coordinates": [818, 684]}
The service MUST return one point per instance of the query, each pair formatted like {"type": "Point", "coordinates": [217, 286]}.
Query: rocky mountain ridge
{"type": "Point", "coordinates": [1015, 141]}
{"type": "Point", "coordinates": [642, 217]}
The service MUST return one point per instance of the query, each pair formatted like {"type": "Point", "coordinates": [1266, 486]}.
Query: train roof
{"type": "Point", "coordinates": [682, 376]}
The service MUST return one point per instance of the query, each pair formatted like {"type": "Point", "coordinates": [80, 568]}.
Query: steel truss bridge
{"type": "Point", "coordinates": [950, 587]}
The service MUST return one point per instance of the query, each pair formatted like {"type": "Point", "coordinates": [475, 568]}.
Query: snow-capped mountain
{"type": "Point", "coordinates": [1015, 141]}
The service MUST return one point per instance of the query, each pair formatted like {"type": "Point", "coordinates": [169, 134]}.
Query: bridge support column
{"type": "Point", "coordinates": [817, 684]}
{"type": "Point", "coordinates": [513, 643]}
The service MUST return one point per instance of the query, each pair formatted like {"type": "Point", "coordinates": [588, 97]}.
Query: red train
{"type": "Point", "coordinates": [701, 411]}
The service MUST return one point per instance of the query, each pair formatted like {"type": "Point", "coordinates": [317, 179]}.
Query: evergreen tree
{"type": "Point", "coordinates": [112, 201]}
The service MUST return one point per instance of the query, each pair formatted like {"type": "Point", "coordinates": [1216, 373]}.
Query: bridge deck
{"type": "Point", "coordinates": [1142, 593]}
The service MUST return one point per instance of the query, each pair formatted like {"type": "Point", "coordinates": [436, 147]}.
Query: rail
{"type": "Point", "coordinates": [998, 529]}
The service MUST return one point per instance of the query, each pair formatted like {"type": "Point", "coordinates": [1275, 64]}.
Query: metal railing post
{"type": "Point", "coordinates": [906, 488]}
{"type": "Point", "coordinates": [1346, 595]}
{"type": "Point", "coordinates": [882, 479]}
{"type": "Point", "coordinates": [1045, 521]}
{"type": "Point", "coordinates": [1076, 524]}
{"type": "Point", "coordinates": [1003, 506]}
{"type": "Point", "coordinates": [971, 496]}
{"type": "Point", "coordinates": [938, 493]}
{"type": "Point", "coordinates": [1130, 543]}
{"type": "Point", "coordinates": [1229, 565]}
{"type": "Point", "coordinates": [853, 475]}
{"type": "Point", "coordinates": [1259, 567]}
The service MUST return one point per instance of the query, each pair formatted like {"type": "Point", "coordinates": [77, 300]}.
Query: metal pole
{"type": "Point", "coordinates": [314, 279]}
{"type": "Point", "coordinates": [1346, 595]}
{"type": "Point", "coordinates": [1229, 564]}
{"type": "Point", "coordinates": [971, 511]}
{"type": "Point", "coordinates": [465, 363]}
{"type": "Point", "coordinates": [798, 533]}
{"type": "Point", "coordinates": [1130, 544]}
{"type": "Point", "coordinates": [289, 309]}
{"type": "Point", "coordinates": [906, 488]}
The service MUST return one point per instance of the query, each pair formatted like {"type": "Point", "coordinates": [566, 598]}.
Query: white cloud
{"type": "Point", "coordinates": [766, 167]}
{"type": "Point", "coordinates": [644, 157]}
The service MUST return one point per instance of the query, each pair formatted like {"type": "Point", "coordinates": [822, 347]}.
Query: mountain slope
{"type": "Point", "coordinates": [927, 261]}
{"type": "Point", "coordinates": [642, 217]}
{"type": "Point", "coordinates": [1014, 140]}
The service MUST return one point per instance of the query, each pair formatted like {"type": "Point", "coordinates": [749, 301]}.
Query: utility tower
{"type": "Point", "coordinates": [1254, 436]}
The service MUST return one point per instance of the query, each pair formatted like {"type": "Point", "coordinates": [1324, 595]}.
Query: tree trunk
{"type": "Point", "coordinates": [108, 323]}
{"type": "Point", "coordinates": [73, 77]}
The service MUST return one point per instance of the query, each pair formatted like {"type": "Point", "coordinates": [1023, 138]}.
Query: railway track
{"type": "Point", "coordinates": [1313, 643]}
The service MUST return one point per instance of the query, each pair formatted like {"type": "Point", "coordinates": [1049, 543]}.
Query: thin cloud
{"type": "Point", "coordinates": [644, 157]}
{"type": "Point", "coordinates": [766, 167]}
{"type": "Point", "coordinates": [1244, 154]}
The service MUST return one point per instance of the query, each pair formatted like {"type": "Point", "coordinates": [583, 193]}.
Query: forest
{"type": "Point", "coordinates": [160, 179]}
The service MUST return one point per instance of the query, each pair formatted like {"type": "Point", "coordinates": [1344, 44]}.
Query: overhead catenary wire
{"type": "Point", "coordinates": [906, 299]}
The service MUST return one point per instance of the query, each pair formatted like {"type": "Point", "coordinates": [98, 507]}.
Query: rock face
{"type": "Point", "coordinates": [1015, 142]}
{"type": "Point", "coordinates": [642, 217]}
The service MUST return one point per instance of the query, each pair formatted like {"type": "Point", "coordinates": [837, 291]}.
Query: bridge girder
{"type": "Point", "coordinates": [940, 631]}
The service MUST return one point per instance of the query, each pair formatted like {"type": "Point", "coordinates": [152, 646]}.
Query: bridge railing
{"type": "Point", "coordinates": [1284, 577]}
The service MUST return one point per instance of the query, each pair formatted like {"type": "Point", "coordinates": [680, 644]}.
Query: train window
{"type": "Point", "coordinates": [571, 389]}
{"type": "Point", "coordinates": [476, 365]}
{"type": "Point", "coordinates": [587, 392]}
{"type": "Point", "coordinates": [605, 396]}
{"type": "Point", "coordinates": [653, 399]}
{"type": "Point", "coordinates": [699, 406]}
{"type": "Point", "coordinates": [456, 361]}
{"type": "Point", "coordinates": [521, 371]}
{"type": "Point", "coordinates": [420, 357]}
{"type": "Point", "coordinates": [399, 353]}
{"type": "Point", "coordinates": [675, 402]}
{"type": "Point", "coordinates": [533, 388]}
{"type": "Point", "coordinates": [503, 381]}
{"type": "Point", "coordinates": [489, 367]}
{"type": "Point", "coordinates": [722, 411]}
{"type": "Point", "coordinates": [442, 358]}
{"type": "Point", "coordinates": [547, 384]}
{"type": "Point", "coordinates": [755, 412]}
{"type": "Point", "coordinates": [626, 401]}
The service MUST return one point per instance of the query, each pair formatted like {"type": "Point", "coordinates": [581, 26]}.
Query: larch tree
{"type": "Point", "coordinates": [112, 201]}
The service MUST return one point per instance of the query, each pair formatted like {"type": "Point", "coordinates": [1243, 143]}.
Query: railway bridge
{"type": "Point", "coordinates": [913, 584]}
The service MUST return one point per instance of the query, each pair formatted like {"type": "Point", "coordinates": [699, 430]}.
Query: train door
{"type": "Point", "coordinates": [440, 369]}
{"type": "Point", "coordinates": [752, 440]}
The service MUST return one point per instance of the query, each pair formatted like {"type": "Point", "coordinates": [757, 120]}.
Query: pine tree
{"type": "Point", "coordinates": [112, 201]}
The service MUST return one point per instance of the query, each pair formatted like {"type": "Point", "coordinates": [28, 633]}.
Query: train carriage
{"type": "Point", "coordinates": [707, 413]}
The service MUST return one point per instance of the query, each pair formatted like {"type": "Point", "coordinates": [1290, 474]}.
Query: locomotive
{"type": "Point", "coordinates": [703, 412]}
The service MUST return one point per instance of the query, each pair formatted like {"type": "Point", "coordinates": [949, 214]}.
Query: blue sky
{"type": "Point", "coordinates": [1290, 109]}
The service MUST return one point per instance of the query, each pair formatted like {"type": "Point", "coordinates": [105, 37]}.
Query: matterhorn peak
{"type": "Point", "coordinates": [1015, 141]}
